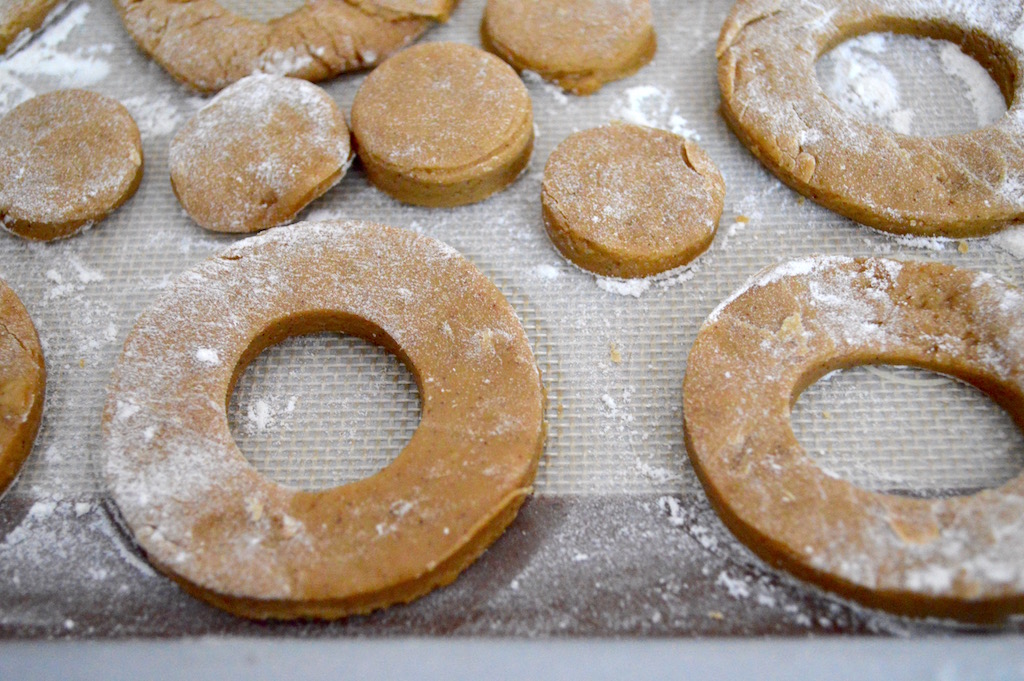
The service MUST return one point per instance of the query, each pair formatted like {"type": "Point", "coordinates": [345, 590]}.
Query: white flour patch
{"type": "Point", "coordinates": [651, 106]}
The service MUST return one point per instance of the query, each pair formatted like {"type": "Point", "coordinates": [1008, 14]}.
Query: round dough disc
{"type": "Point", "coordinates": [625, 200]}
{"type": "Point", "coordinates": [259, 153]}
{"type": "Point", "coordinates": [578, 44]}
{"type": "Point", "coordinates": [443, 124]}
{"type": "Point", "coordinates": [229, 535]}
{"type": "Point", "coordinates": [960, 557]}
{"type": "Point", "coordinates": [67, 160]}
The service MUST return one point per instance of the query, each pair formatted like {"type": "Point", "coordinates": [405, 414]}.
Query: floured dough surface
{"type": "Point", "coordinates": [959, 557]}
{"type": "Point", "coordinates": [625, 200]}
{"type": "Point", "coordinates": [67, 160]}
{"type": "Point", "coordinates": [258, 153]}
{"type": "Point", "coordinates": [22, 385]}
{"type": "Point", "coordinates": [443, 124]}
{"type": "Point", "coordinates": [208, 47]}
{"type": "Point", "coordinates": [957, 186]}
{"type": "Point", "coordinates": [229, 535]}
{"type": "Point", "coordinates": [19, 18]}
{"type": "Point", "coordinates": [578, 44]}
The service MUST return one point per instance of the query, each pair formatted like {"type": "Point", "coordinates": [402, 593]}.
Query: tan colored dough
{"type": "Point", "coordinates": [963, 185]}
{"type": "Point", "coordinates": [625, 200]}
{"type": "Point", "coordinates": [22, 385]}
{"type": "Point", "coordinates": [208, 47]}
{"type": "Point", "coordinates": [578, 44]}
{"type": "Point", "coordinates": [443, 124]}
{"type": "Point", "coordinates": [230, 536]}
{"type": "Point", "coordinates": [19, 18]}
{"type": "Point", "coordinates": [67, 160]}
{"type": "Point", "coordinates": [959, 557]}
{"type": "Point", "coordinates": [259, 153]}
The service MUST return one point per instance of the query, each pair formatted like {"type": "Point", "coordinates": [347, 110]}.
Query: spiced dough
{"type": "Point", "coordinates": [625, 200]}
{"type": "Point", "coordinates": [234, 538]}
{"type": "Point", "coordinates": [958, 557]}
{"type": "Point", "coordinates": [67, 160]}
{"type": "Point", "coordinates": [19, 18]}
{"type": "Point", "coordinates": [953, 186]}
{"type": "Point", "coordinates": [258, 153]}
{"type": "Point", "coordinates": [443, 124]}
{"type": "Point", "coordinates": [208, 47]}
{"type": "Point", "coordinates": [22, 385]}
{"type": "Point", "coordinates": [578, 44]}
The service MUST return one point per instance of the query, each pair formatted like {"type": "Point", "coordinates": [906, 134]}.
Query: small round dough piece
{"type": "Point", "coordinates": [443, 124]}
{"type": "Point", "coordinates": [19, 18]}
{"type": "Point", "coordinates": [955, 186]}
{"type": "Point", "coordinates": [578, 44]}
{"type": "Point", "coordinates": [67, 160]}
{"type": "Point", "coordinates": [625, 200]}
{"type": "Point", "coordinates": [957, 557]}
{"type": "Point", "coordinates": [208, 47]}
{"type": "Point", "coordinates": [259, 153]}
{"type": "Point", "coordinates": [234, 538]}
{"type": "Point", "coordinates": [22, 385]}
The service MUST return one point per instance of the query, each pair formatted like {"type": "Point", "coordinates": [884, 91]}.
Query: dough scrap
{"type": "Point", "coordinates": [22, 385]}
{"type": "Point", "coordinates": [957, 557]}
{"type": "Point", "coordinates": [256, 548]}
{"type": "Point", "coordinates": [258, 153]}
{"type": "Point", "coordinates": [20, 18]}
{"type": "Point", "coordinates": [67, 160]}
{"type": "Point", "coordinates": [955, 186]}
{"type": "Point", "coordinates": [625, 200]}
{"type": "Point", "coordinates": [578, 44]}
{"type": "Point", "coordinates": [443, 124]}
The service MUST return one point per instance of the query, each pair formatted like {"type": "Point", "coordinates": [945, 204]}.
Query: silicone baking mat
{"type": "Point", "coordinates": [619, 537]}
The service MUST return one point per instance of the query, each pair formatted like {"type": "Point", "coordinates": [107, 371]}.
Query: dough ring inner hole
{"type": "Point", "coordinates": [908, 431]}
{"type": "Point", "coordinates": [323, 409]}
{"type": "Point", "coordinates": [910, 84]}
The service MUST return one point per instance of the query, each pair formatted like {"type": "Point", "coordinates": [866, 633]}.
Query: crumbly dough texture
{"type": "Point", "coordinates": [443, 124]}
{"type": "Point", "coordinates": [958, 557]}
{"type": "Point", "coordinates": [259, 153]}
{"type": "Point", "coordinates": [67, 160]}
{"type": "Point", "coordinates": [208, 47]}
{"type": "Point", "coordinates": [625, 200]}
{"type": "Point", "coordinates": [578, 44]}
{"type": "Point", "coordinates": [232, 537]}
{"type": "Point", "coordinates": [19, 18]}
{"type": "Point", "coordinates": [22, 385]}
{"type": "Point", "coordinates": [954, 186]}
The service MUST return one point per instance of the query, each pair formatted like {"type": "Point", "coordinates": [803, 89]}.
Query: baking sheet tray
{"type": "Point", "coordinates": [619, 538]}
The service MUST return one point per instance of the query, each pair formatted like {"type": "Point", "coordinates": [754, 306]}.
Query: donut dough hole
{"type": "Point", "coordinates": [443, 124]}
{"type": "Point", "coordinates": [578, 44]}
{"type": "Point", "coordinates": [256, 548]}
{"type": "Point", "coordinates": [22, 385]}
{"type": "Point", "coordinates": [67, 160]}
{"type": "Point", "coordinates": [955, 186]}
{"type": "Point", "coordinates": [626, 201]}
{"type": "Point", "coordinates": [208, 47]}
{"type": "Point", "coordinates": [956, 557]}
{"type": "Point", "coordinates": [259, 153]}
{"type": "Point", "coordinates": [20, 18]}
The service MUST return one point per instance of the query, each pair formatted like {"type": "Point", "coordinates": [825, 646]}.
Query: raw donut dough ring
{"type": "Point", "coordinates": [958, 557]}
{"type": "Point", "coordinates": [443, 124]}
{"type": "Point", "coordinates": [258, 153]}
{"type": "Point", "coordinates": [625, 200]}
{"type": "Point", "coordinates": [22, 385]}
{"type": "Point", "coordinates": [230, 536]}
{"type": "Point", "coordinates": [578, 44]}
{"type": "Point", "coordinates": [67, 160]}
{"type": "Point", "coordinates": [954, 186]}
{"type": "Point", "coordinates": [208, 47]}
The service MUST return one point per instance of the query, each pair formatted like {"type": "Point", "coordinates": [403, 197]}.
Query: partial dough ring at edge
{"type": "Point", "coordinates": [958, 557]}
{"type": "Point", "coordinates": [208, 47]}
{"type": "Point", "coordinates": [956, 186]}
{"type": "Point", "coordinates": [231, 536]}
